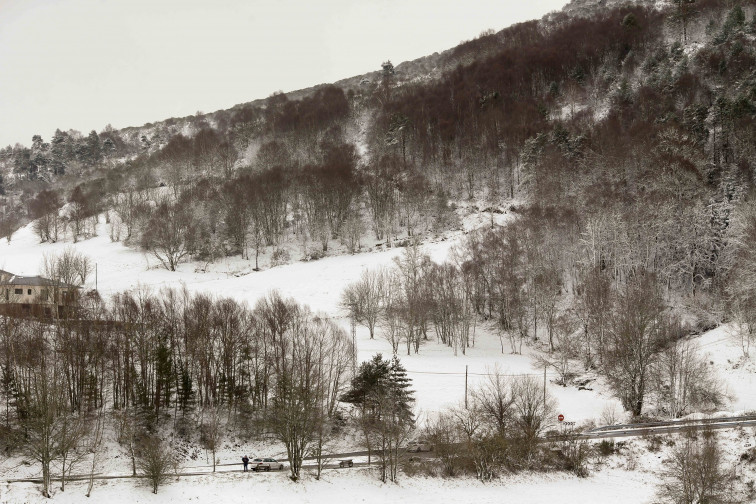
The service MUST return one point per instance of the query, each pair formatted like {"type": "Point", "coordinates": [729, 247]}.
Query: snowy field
{"type": "Point", "coordinates": [357, 487]}
{"type": "Point", "coordinates": [438, 379]}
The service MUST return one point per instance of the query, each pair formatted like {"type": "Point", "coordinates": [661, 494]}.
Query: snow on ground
{"type": "Point", "coordinates": [438, 379]}
{"type": "Point", "coordinates": [315, 283]}
{"type": "Point", "coordinates": [355, 486]}
{"type": "Point", "coordinates": [737, 372]}
{"type": "Point", "coordinates": [438, 375]}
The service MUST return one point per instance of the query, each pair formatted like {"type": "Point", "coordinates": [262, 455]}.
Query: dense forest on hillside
{"type": "Point", "coordinates": [626, 134]}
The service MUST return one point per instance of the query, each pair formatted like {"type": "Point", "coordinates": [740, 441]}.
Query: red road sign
{"type": "Point", "coordinates": [560, 418]}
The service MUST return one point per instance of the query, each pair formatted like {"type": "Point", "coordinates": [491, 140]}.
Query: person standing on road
{"type": "Point", "coordinates": [245, 461]}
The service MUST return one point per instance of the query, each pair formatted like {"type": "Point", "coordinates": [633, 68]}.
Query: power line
{"type": "Point", "coordinates": [480, 374]}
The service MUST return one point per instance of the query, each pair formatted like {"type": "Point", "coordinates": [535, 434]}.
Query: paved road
{"type": "Point", "coordinates": [654, 428]}
{"type": "Point", "coordinates": [609, 431]}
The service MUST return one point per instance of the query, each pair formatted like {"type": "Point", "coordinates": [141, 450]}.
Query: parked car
{"type": "Point", "coordinates": [420, 445]}
{"type": "Point", "coordinates": [266, 464]}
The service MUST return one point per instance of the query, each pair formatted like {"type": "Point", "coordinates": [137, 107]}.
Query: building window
{"type": "Point", "coordinates": [28, 291]}
{"type": "Point", "coordinates": [43, 295]}
{"type": "Point", "coordinates": [19, 291]}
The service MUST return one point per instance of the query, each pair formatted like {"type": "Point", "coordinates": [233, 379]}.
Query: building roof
{"type": "Point", "coordinates": [36, 281]}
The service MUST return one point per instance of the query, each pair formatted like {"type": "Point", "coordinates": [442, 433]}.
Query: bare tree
{"type": "Point", "coordinates": [481, 442]}
{"type": "Point", "coordinates": [566, 349]}
{"type": "Point", "coordinates": [71, 433]}
{"type": "Point", "coordinates": [592, 308]}
{"type": "Point", "coordinates": [391, 318]}
{"type": "Point", "coordinates": [95, 448]}
{"type": "Point", "coordinates": [46, 420]}
{"type": "Point", "coordinates": [8, 224]}
{"type": "Point", "coordinates": [70, 267]}
{"type": "Point", "coordinates": [636, 333]}
{"type": "Point", "coordinates": [576, 450]}
{"type": "Point", "coordinates": [532, 411]}
{"type": "Point", "coordinates": [45, 209]}
{"type": "Point", "coordinates": [494, 401]}
{"type": "Point", "coordinates": [740, 259]}
{"type": "Point", "coordinates": [227, 156]}
{"type": "Point", "coordinates": [445, 435]}
{"type": "Point", "coordinates": [168, 234]}
{"type": "Point", "coordinates": [129, 433]}
{"type": "Point", "coordinates": [685, 380]}
{"type": "Point", "coordinates": [352, 229]}
{"type": "Point", "coordinates": [154, 460]}
{"type": "Point", "coordinates": [695, 474]}
{"type": "Point", "coordinates": [365, 299]}
{"type": "Point", "coordinates": [311, 358]}
{"type": "Point", "coordinates": [211, 432]}
{"type": "Point", "coordinates": [413, 303]}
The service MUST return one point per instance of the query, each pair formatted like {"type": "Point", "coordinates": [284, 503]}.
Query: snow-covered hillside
{"type": "Point", "coordinates": [438, 376]}
{"type": "Point", "coordinates": [438, 379]}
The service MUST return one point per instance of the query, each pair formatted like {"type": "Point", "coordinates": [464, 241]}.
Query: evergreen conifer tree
{"type": "Point", "coordinates": [379, 382]}
{"type": "Point", "coordinates": [402, 394]}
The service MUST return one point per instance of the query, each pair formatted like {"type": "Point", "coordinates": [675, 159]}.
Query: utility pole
{"type": "Point", "coordinates": [544, 389]}
{"type": "Point", "coordinates": [466, 386]}
{"type": "Point", "coordinates": [354, 344]}
{"type": "Point", "coordinates": [96, 277]}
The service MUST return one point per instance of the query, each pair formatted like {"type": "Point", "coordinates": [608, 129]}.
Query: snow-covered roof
{"type": "Point", "coordinates": [34, 281]}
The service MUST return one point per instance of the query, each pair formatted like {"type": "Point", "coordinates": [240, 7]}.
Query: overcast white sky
{"type": "Point", "coordinates": [82, 64]}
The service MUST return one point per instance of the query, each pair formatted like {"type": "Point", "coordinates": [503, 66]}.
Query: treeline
{"type": "Point", "coordinates": [172, 351]}
{"type": "Point", "coordinates": [305, 182]}
{"type": "Point", "coordinates": [66, 151]}
{"type": "Point", "coordinates": [151, 359]}
{"type": "Point", "coordinates": [502, 430]}
{"type": "Point", "coordinates": [619, 323]}
{"type": "Point", "coordinates": [650, 139]}
{"type": "Point", "coordinates": [257, 210]}
{"type": "Point", "coordinates": [410, 300]}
